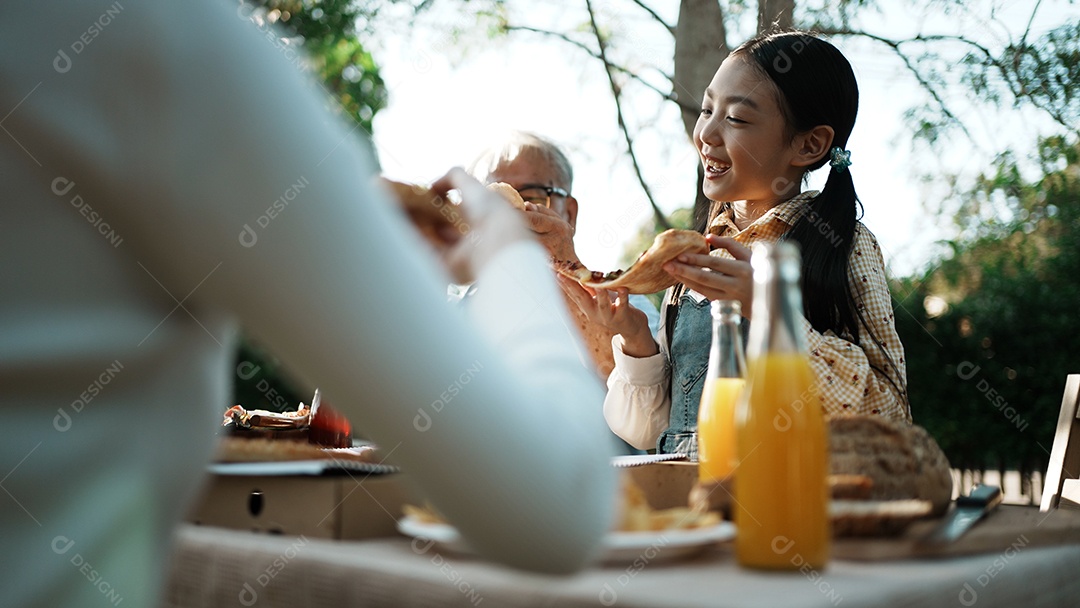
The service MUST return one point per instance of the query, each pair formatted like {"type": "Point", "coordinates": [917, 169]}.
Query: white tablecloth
{"type": "Point", "coordinates": [218, 567]}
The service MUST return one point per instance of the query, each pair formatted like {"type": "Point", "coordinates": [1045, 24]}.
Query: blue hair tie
{"type": "Point", "coordinates": [841, 159]}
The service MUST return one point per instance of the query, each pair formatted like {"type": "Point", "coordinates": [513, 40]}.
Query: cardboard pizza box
{"type": "Point", "coordinates": [310, 498]}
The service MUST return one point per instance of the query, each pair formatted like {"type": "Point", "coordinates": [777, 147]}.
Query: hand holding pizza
{"type": "Point", "coordinates": [554, 232]}
{"type": "Point", "coordinates": [717, 278]}
{"type": "Point", "coordinates": [492, 225]}
{"type": "Point", "coordinates": [613, 311]}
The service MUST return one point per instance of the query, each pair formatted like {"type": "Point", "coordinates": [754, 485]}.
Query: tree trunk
{"type": "Point", "coordinates": [775, 14]}
{"type": "Point", "coordinates": [700, 47]}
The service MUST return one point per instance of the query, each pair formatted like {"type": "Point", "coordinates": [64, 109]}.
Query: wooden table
{"type": "Point", "coordinates": [218, 567]}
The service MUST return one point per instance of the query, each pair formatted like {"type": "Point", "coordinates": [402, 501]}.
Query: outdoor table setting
{"type": "Point", "coordinates": [224, 568]}
{"type": "Point", "coordinates": [331, 534]}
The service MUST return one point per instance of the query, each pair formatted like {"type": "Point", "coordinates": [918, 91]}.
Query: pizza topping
{"type": "Point", "coordinates": [647, 274]}
{"type": "Point", "coordinates": [574, 270]}
{"type": "Point", "coordinates": [595, 276]}
{"type": "Point", "coordinates": [238, 417]}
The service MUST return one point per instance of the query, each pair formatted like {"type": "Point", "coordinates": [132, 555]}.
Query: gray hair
{"type": "Point", "coordinates": [522, 142]}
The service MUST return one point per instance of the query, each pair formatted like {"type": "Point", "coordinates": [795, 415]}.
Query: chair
{"type": "Point", "coordinates": [1062, 486]}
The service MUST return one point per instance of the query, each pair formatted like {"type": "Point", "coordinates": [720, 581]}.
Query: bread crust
{"type": "Point", "coordinates": [903, 461]}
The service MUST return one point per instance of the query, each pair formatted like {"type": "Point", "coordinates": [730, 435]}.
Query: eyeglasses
{"type": "Point", "coordinates": [540, 195]}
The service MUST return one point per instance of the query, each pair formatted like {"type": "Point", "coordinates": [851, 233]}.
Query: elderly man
{"type": "Point", "coordinates": [541, 173]}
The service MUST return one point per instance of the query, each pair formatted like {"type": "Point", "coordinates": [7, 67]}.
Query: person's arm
{"type": "Point", "coordinates": [853, 377]}
{"type": "Point", "coordinates": [219, 164]}
{"type": "Point", "coordinates": [638, 402]}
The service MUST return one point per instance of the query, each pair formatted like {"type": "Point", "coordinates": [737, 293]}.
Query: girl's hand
{"type": "Point", "coordinates": [612, 310]}
{"type": "Point", "coordinates": [718, 278]}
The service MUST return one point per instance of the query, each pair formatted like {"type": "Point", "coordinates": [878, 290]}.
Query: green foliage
{"type": "Point", "coordinates": [986, 375]}
{"type": "Point", "coordinates": [986, 62]}
{"type": "Point", "coordinates": [327, 31]}
{"type": "Point", "coordinates": [1044, 72]}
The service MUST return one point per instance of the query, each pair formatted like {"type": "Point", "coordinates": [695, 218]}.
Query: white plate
{"type": "Point", "coordinates": [618, 546]}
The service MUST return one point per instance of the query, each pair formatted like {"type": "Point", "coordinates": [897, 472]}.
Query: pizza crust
{"type": "Point", "coordinates": [424, 206]}
{"type": "Point", "coordinates": [235, 449]}
{"type": "Point", "coordinates": [647, 274]}
{"type": "Point", "coordinates": [509, 193]}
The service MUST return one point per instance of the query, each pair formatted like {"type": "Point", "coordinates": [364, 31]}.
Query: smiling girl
{"type": "Point", "coordinates": [779, 106]}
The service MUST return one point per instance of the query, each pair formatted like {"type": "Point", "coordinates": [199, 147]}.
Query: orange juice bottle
{"type": "Point", "coordinates": [781, 496]}
{"type": "Point", "coordinates": [723, 383]}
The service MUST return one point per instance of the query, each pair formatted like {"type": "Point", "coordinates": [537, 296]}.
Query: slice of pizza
{"type": "Point", "coordinates": [428, 208]}
{"type": "Point", "coordinates": [647, 274]}
{"type": "Point", "coordinates": [424, 206]}
{"type": "Point", "coordinates": [509, 193]}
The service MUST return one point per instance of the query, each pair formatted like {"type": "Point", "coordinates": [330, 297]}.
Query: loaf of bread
{"type": "Point", "coordinates": [890, 468]}
{"type": "Point", "coordinates": [903, 462]}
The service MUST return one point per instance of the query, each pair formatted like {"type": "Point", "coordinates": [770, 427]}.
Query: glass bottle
{"type": "Point", "coordinates": [781, 496]}
{"type": "Point", "coordinates": [723, 383]}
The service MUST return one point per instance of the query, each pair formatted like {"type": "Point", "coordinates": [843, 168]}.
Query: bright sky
{"type": "Point", "coordinates": [449, 98]}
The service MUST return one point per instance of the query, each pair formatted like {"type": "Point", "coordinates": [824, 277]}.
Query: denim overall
{"type": "Point", "coordinates": [690, 340]}
{"type": "Point", "coordinates": [689, 353]}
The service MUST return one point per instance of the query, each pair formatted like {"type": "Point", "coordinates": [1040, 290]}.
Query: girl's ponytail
{"type": "Point", "coordinates": [825, 234]}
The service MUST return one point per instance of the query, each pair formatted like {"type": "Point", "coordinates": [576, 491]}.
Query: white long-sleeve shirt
{"type": "Point", "coordinates": [638, 402]}
{"type": "Point", "coordinates": [166, 177]}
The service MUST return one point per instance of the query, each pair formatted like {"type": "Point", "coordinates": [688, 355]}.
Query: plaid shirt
{"type": "Point", "coordinates": [852, 377]}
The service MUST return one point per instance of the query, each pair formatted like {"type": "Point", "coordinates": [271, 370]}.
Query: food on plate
{"type": "Point", "coordinates": [646, 275]}
{"type": "Point", "coordinates": [637, 516]}
{"type": "Point", "coordinates": [509, 193]}
{"type": "Point", "coordinates": [875, 517]}
{"type": "Point", "coordinates": [237, 449]}
{"type": "Point", "coordinates": [902, 461]}
{"type": "Point", "coordinates": [236, 417]}
{"type": "Point", "coordinates": [325, 426]}
{"type": "Point", "coordinates": [712, 495]}
{"type": "Point", "coordinates": [850, 487]}
{"type": "Point", "coordinates": [425, 514]}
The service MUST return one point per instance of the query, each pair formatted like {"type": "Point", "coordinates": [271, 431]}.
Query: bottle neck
{"type": "Point", "coordinates": [777, 305]}
{"type": "Point", "coordinates": [726, 357]}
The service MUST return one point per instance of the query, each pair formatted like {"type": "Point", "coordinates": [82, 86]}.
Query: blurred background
{"type": "Point", "coordinates": [966, 156]}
